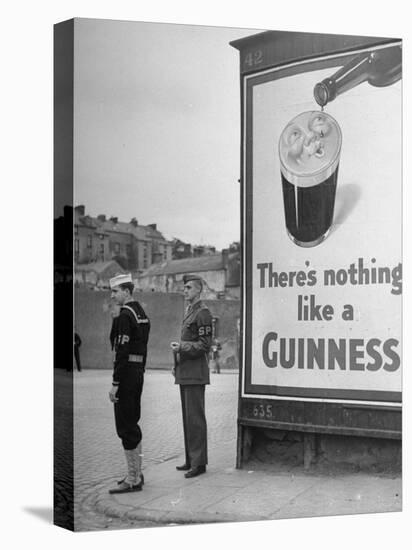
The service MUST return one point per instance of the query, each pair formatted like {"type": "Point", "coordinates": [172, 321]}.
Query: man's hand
{"type": "Point", "coordinates": [175, 349]}
{"type": "Point", "coordinates": [113, 394]}
{"type": "Point", "coordinates": [175, 346]}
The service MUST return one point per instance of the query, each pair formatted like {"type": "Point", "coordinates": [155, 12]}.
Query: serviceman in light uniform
{"type": "Point", "coordinates": [192, 374]}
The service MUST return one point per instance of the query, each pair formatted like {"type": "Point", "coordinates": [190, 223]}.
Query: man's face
{"type": "Point", "coordinates": [191, 291]}
{"type": "Point", "coordinates": [118, 295]}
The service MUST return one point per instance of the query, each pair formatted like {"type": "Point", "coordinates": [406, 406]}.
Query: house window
{"type": "Point", "coordinates": [76, 249]}
{"type": "Point", "coordinates": [101, 252]}
{"type": "Point", "coordinates": [89, 241]}
{"type": "Point", "coordinates": [116, 248]}
{"type": "Point", "coordinates": [128, 250]}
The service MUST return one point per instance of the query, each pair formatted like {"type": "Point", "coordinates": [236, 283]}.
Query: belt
{"type": "Point", "coordinates": [136, 358]}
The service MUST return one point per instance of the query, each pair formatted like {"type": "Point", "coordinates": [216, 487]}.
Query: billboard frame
{"type": "Point", "coordinates": [345, 412]}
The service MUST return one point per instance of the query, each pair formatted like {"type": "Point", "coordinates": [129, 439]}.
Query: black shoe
{"type": "Point", "coordinates": [195, 472]}
{"type": "Point", "coordinates": [140, 483]}
{"type": "Point", "coordinates": [125, 488]}
{"type": "Point", "coordinates": [183, 467]}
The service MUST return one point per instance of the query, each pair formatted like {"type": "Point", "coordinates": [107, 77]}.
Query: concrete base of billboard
{"type": "Point", "coordinates": [324, 452]}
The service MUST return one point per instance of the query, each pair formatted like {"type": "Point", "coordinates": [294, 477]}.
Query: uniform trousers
{"type": "Point", "coordinates": [194, 423]}
{"type": "Point", "coordinates": [77, 357]}
{"type": "Point", "coordinates": [127, 408]}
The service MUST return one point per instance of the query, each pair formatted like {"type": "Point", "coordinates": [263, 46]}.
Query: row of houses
{"type": "Point", "coordinates": [134, 247]}
{"type": "Point", "coordinates": [220, 273]}
{"type": "Point", "coordinates": [105, 247]}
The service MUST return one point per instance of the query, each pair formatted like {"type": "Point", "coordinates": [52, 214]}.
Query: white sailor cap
{"type": "Point", "coordinates": [120, 279]}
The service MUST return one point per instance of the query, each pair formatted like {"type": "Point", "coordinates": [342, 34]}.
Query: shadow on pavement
{"type": "Point", "coordinates": [46, 514]}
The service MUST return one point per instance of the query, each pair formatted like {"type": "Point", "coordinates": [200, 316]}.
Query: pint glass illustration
{"type": "Point", "coordinates": [309, 151]}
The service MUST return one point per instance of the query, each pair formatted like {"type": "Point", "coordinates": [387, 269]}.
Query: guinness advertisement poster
{"type": "Point", "coordinates": [322, 229]}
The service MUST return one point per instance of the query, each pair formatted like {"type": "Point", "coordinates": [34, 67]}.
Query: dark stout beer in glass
{"type": "Point", "coordinates": [309, 152]}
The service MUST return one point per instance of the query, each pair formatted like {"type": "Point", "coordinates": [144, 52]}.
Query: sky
{"type": "Point", "coordinates": [157, 126]}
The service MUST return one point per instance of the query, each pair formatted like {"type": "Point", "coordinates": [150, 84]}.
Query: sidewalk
{"type": "Point", "coordinates": [225, 494]}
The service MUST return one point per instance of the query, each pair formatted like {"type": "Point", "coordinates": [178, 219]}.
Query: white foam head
{"type": "Point", "coordinates": [309, 148]}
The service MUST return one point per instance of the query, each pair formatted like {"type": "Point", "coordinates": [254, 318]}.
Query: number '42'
{"type": "Point", "coordinates": [254, 58]}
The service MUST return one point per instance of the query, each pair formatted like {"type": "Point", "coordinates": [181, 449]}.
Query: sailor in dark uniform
{"type": "Point", "coordinates": [192, 374]}
{"type": "Point", "coordinates": [130, 334]}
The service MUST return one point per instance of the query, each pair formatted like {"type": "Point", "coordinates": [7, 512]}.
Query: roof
{"type": "Point", "coordinates": [140, 231]}
{"type": "Point", "coordinates": [153, 233]}
{"type": "Point", "coordinates": [119, 227]}
{"type": "Point", "coordinates": [282, 37]}
{"type": "Point", "coordinates": [212, 262]}
{"type": "Point", "coordinates": [99, 267]}
{"type": "Point", "coordinates": [85, 221]}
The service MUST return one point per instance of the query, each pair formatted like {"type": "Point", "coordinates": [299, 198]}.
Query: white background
{"type": "Point", "coordinates": [366, 225]}
{"type": "Point", "coordinates": [26, 469]}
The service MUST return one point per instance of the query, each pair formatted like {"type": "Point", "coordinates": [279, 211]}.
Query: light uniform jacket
{"type": "Point", "coordinates": [196, 339]}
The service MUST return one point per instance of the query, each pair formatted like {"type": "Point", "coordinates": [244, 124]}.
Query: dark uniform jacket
{"type": "Point", "coordinates": [129, 334]}
{"type": "Point", "coordinates": [196, 338]}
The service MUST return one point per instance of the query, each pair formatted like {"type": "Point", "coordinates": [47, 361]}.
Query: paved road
{"type": "Point", "coordinates": [98, 455]}
{"type": "Point", "coordinates": [225, 495]}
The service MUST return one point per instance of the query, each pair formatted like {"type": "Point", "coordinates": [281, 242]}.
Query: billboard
{"type": "Point", "coordinates": [322, 280]}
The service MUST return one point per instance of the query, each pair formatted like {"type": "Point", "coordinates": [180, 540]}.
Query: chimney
{"type": "Point", "coordinates": [134, 222]}
{"type": "Point", "coordinates": [153, 226]}
{"type": "Point", "coordinates": [80, 209]}
{"type": "Point", "coordinates": [101, 217]}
